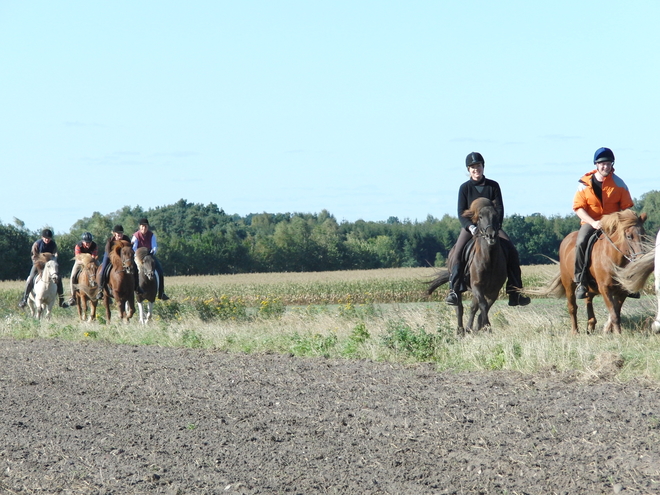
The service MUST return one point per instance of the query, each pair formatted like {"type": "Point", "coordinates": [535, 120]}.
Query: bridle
{"type": "Point", "coordinates": [630, 257]}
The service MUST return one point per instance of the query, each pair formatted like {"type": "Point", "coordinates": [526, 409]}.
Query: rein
{"type": "Point", "coordinates": [631, 258]}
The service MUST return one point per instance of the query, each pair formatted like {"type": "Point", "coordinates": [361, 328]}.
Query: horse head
{"type": "Point", "coordinates": [51, 272]}
{"type": "Point", "coordinates": [89, 268]}
{"type": "Point", "coordinates": [626, 231]}
{"type": "Point", "coordinates": [121, 256]}
{"type": "Point", "coordinates": [145, 263]}
{"type": "Point", "coordinates": [482, 212]}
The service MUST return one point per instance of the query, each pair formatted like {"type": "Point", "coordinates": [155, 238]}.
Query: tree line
{"type": "Point", "coordinates": [196, 239]}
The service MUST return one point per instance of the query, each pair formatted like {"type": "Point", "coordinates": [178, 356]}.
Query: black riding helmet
{"type": "Point", "coordinates": [47, 233]}
{"type": "Point", "coordinates": [473, 158]}
{"type": "Point", "coordinates": [87, 237]}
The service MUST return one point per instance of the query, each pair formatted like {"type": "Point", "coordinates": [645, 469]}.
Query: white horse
{"type": "Point", "coordinates": [634, 275]}
{"type": "Point", "coordinates": [44, 294]}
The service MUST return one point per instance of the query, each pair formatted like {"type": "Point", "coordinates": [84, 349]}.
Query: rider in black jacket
{"type": "Point", "coordinates": [480, 187]}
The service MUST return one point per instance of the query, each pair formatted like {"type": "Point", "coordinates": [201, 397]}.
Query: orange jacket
{"type": "Point", "coordinates": [615, 196]}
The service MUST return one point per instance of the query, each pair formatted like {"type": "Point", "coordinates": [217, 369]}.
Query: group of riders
{"type": "Point", "coordinates": [143, 237]}
{"type": "Point", "coordinates": [600, 192]}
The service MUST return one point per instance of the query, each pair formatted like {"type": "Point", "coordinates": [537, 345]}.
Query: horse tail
{"type": "Point", "coordinates": [441, 278]}
{"type": "Point", "coordinates": [633, 276]}
{"type": "Point", "coordinates": [554, 288]}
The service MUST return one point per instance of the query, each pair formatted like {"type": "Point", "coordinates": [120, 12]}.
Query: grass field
{"type": "Point", "coordinates": [381, 315]}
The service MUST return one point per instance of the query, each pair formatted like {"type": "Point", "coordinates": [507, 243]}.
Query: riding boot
{"type": "Point", "coordinates": [514, 275]}
{"type": "Point", "coordinates": [28, 288]}
{"type": "Point", "coordinates": [454, 285]}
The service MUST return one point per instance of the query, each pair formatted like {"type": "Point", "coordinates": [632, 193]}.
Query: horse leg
{"type": "Point", "coordinates": [79, 304]}
{"type": "Point", "coordinates": [150, 310]}
{"type": "Point", "coordinates": [141, 312]}
{"type": "Point", "coordinates": [571, 303]}
{"type": "Point", "coordinates": [460, 330]}
{"type": "Point", "coordinates": [130, 306]}
{"type": "Point", "coordinates": [106, 302]}
{"type": "Point", "coordinates": [613, 304]}
{"type": "Point", "coordinates": [591, 315]}
{"type": "Point", "coordinates": [484, 321]}
{"type": "Point", "coordinates": [656, 324]}
{"type": "Point", "coordinates": [474, 306]}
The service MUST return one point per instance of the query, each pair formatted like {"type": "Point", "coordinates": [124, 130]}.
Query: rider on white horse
{"type": "Point", "coordinates": [44, 245]}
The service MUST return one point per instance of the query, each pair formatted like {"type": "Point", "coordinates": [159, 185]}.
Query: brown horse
{"type": "Point", "coordinates": [621, 241]}
{"type": "Point", "coordinates": [486, 267]}
{"type": "Point", "coordinates": [86, 290]}
{"type": "Point", "coordinates": [148, 278]}
{"type": "Point", "coordinates": [121, 281]}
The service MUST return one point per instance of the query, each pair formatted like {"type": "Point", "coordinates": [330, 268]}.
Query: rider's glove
{"type": "Point", "coordinates": [472, 229]}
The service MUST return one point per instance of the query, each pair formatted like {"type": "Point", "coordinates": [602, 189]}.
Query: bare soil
{"type": "Point", "coordinates": [99, 418]}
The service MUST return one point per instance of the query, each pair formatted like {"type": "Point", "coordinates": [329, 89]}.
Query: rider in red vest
{"type": "Point", "coordinates": [144, 237]}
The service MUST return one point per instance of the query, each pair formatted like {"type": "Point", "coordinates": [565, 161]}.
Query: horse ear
{"type": "Point", "coordinates": [643, 217]}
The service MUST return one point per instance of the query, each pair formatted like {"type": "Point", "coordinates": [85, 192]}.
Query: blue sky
{"type": "Point", "coordinates": [364, 108]}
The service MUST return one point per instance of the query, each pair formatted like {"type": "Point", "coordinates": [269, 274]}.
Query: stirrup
{"type": "Point", "coordinates": [452, 298]}
{"type": "Point", "coordinates": [581, 292]}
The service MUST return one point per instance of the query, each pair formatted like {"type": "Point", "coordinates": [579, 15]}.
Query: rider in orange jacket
{"type": "Point", "coordinates": [600, 192]}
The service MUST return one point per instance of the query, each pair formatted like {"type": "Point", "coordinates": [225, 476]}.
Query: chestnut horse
{"type": "Point", "coordinates": [633, 276]}
{"type": "Point", "coordinates": [621, 242]}
{"type": "Point", "coordinates": [86, 290]}
{"type": "Point", "coordinates": [44, 293]}
{"type": "Point", "coordinates": [486, 266]}
{"type": "Point", "coordinates": [148, 278]}
{"type": "Point", "coordinates": [121, 281]}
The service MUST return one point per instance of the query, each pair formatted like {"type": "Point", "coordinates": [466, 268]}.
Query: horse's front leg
{"type": "Point", "coordinates": [79, 306]}
{"type": "Point", "coordinates": [484, 320]}
{"type": "Point", "coordinates": [150, 310]}
{"type": "Point", "coordinates": [130, 306]}
{"type": "Point", "coordinates": [474, 307]}
{"type": "Point", "coordinates": [141, 312]}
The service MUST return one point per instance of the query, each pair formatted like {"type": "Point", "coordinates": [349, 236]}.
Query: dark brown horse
{"type": "Point", "coordinates": [486, 267]}
{"type": "Point", "coordinates": [148, 278]}
{"type": "Point", "coordinates": [87, 288]}
{"type": "Point", "coordinates": [121, 281]}
{"type": "Point", "coordinates": [621, 242]}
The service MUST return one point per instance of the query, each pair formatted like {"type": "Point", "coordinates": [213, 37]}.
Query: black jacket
{"type": "Point", "coordinates": [470, 190]}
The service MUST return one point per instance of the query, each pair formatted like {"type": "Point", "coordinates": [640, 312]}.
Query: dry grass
{"type": "Point", "coordinates": [532, 339]}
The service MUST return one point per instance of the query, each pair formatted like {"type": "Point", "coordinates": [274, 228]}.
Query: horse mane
{"type": "Point", "coordinates": [615, 223]}
{"type": "Point", "coordinates": [115, 251]}
{"type": "Point", "coordinates": [85, 259]}
{"type": "Point", "coordinates": [42, 259]}
{"type": "Point", "coordinates": [475, 208]}
{"type": "Point", "coordinates": [140, 254]}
